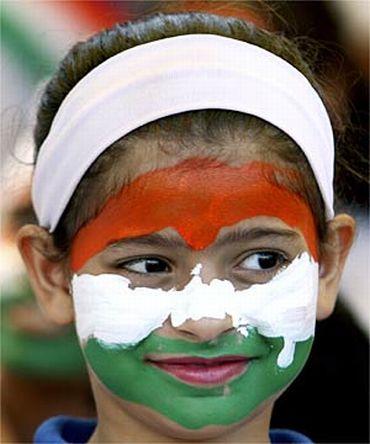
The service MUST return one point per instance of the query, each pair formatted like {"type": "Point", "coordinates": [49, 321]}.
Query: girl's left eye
{"type": "Point", "coordinates": [263, 261]}
{"type": "Point", "coordinates": [146, 266]}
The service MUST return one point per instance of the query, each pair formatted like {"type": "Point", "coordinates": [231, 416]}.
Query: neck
{"type": "Point", "coordinates": [144, 425]}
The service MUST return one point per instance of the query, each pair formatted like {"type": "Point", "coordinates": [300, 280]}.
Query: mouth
{"type": "Point", "coordinates": [203, 371]}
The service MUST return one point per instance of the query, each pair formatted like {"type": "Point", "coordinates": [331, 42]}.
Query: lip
{"type": "Point", "coordinates": [203, 371]}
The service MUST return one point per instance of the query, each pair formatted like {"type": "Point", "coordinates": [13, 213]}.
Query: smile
{"type": "Point", "coordinates": [203, 371]}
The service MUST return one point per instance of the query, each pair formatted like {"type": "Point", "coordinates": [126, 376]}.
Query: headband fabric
{"type": "Point", "coordinates": [169, 76]}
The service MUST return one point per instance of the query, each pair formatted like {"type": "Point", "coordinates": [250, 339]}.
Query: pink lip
{"type": "Point", "coordinates": [203, 371]}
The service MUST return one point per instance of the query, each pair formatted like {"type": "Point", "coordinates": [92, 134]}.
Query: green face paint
{"type": "Point", "coordinates": [56, 356]}
{"type": "Point", "coordinates": [126, 374]}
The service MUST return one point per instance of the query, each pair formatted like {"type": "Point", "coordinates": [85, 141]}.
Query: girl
{"type": "Point", "coordinates": [183, 186]}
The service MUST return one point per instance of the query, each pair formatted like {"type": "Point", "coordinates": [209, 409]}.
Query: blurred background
{"type": "Point", "coordinates": [42, 371]}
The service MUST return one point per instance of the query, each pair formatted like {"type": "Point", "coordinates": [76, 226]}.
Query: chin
{"type": "Point", "coordinates": [204, 434]}
{"type": "Point", "coordinates": [154, 424]}
{"type": "Point", "coordinates": [166, 427]}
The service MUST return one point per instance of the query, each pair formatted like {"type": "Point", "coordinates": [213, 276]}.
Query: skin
{"type": "Point", "coordinates": [197, 198]}
{"type": "Point", "coordinates": [125, 421]}
{"type": "Point", "coordinates": [262, 379]}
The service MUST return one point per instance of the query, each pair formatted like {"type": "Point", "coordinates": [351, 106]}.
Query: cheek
{"type": "Point", "coordinates": [112, 319]}
{"type": "Point", "coordinates": [124, 373]}
{"type": "Point", "coordinates": [109, 310]}
{"type": "Point", "coordinates": [197, 198]}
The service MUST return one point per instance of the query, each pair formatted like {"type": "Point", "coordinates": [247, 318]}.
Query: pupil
{"type": "Point", "coordinates": [267, 260]}
{"type": "Point", "coordinates": [155, 266]}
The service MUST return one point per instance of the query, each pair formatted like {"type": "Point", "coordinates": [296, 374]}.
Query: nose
{"type": "Point", "coordinates": [205, 329]}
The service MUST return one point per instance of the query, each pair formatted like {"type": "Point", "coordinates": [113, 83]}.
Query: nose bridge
{"type": "Point", "coordinates": [208, 273]}
{"type": "Point", "coordinates": [207, 268]}
{"type": "Point", "coordinates": [206, 329]}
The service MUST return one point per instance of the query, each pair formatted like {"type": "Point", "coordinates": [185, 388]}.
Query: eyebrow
{"type": "Point", "coordinates": [251, 234]}
{"type": "Point", "coordinates": [236, 236]}
{"type": "Point", "coordinates": [157, 239]}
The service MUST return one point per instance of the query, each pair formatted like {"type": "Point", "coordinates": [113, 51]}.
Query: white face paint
{"type": "Point", "coordinates": [108, 310]}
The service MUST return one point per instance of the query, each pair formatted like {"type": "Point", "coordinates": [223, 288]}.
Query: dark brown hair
{"type": "Point", "coordinates": [213, 128]}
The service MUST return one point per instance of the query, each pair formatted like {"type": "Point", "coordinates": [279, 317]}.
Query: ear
{"type": "Point", "coordinates": [340, 235]}
{"type": "Point", "coordinates": [47, 272]}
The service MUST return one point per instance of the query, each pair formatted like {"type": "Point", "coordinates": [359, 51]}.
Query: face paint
{"type": "Point", "coordinates": [125, 373]}
{"type": "Point", "coordinates": [275, 322]}
{"type": "Point", "coordinates": [197, 197]}
{"type": "Point", "coordinates": [115, 314]}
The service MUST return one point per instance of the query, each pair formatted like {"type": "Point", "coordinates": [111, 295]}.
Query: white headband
{"type": "Point", "coordinates": [166, 77]}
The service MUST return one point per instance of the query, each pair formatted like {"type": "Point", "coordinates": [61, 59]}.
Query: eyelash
{"type": "Point", "coordinates": [281, 259]}
{"type": "Point", "coordinates": [133, 261]}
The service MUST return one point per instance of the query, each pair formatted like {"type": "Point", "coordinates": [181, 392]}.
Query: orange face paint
{"type": "Point", "coordinates": [197, 198]}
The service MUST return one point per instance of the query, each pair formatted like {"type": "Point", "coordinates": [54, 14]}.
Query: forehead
{"type": "Point", "coordinates": [140, 153]}
{"type": "Point", "coordinates": [197, 197]}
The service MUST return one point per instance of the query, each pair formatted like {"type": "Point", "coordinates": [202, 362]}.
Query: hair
{"type": "Point", "coordinates": [213, 129]}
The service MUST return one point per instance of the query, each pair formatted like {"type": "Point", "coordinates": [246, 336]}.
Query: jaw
{"type": "Point", "coordinates": [123, 421]}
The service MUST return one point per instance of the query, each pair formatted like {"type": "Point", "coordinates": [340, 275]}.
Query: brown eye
{"type": "Point", "coordinates": [146, 265]}
{"type": "Point", "coordinates": [264, 260]}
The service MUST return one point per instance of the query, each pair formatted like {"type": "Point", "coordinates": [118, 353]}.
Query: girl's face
{"type": "Point", "coordinates": [205, 233]}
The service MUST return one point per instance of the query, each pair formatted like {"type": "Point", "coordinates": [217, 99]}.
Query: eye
{"type": "Point", "coordinates": [263, 261]}
{"type": "Point", "coordinates": [146, 265]}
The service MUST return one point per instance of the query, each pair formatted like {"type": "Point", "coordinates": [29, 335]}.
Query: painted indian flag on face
{"type": "Point", "coordinates": [120, 326]}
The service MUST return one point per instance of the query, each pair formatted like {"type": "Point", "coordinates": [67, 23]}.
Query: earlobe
{"type": "Point", "coordinates": [47, 273]}
{"type": "Point", "coordinates": [341, 231]}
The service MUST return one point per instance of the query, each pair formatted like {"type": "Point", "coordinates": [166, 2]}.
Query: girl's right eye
{"type": "Point", "coordinates": [146, 266]}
